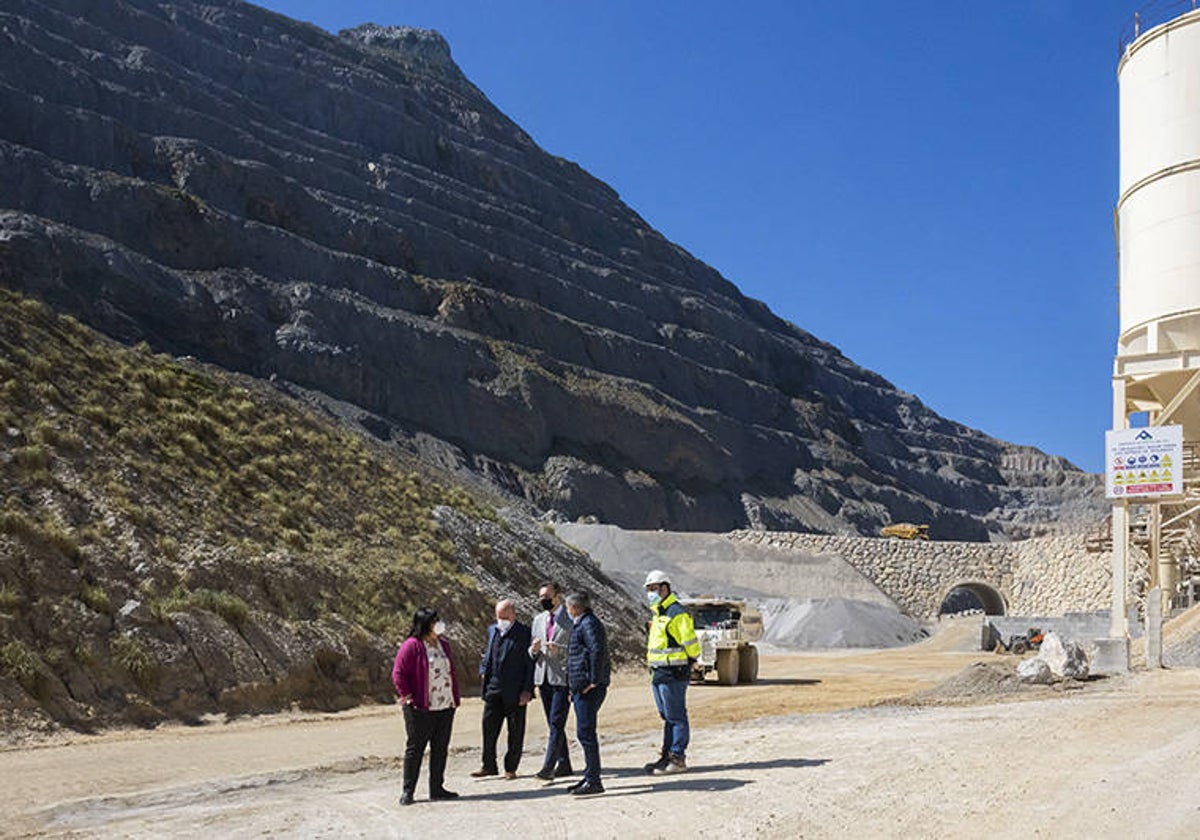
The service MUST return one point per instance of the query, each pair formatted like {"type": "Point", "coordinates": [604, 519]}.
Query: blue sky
{"type": "Point", "coordinates": [927, 185]}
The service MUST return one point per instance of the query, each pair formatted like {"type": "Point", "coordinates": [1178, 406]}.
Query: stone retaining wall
{"type": "Point", "coordinates": [1043, 576]}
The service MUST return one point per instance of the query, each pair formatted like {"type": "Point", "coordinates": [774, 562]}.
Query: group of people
{"type": "Point", "coordinates": [563, 658]}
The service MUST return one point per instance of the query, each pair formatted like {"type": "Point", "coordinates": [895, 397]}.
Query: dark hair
{"type": "Point", "coordinates": [552, 586]}
{"type": "Point", "coordinates": [423, 621]}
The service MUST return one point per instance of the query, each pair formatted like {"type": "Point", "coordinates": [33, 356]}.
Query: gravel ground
{"type": "Point", "coordinates": [825, 745]}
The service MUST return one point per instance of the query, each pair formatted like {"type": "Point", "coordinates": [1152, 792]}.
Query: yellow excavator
{"type": "Point", "coordinates": [905, 531]}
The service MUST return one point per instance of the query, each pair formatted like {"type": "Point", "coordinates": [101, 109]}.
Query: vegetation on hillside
{"type": "Point", "coordinates": [139, 491]}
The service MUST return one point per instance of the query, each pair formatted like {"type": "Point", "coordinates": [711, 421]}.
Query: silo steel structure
{"type": "Point", "coordinates": [1157, 221]}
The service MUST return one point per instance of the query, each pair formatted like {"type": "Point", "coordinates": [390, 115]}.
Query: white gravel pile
{"type": "Point", "coordinates": [836, 623]}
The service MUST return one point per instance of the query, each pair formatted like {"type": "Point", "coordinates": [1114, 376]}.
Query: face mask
{"type": "Point", "coordinates": [439, 627]}
{"type": "Point", "coordinates": [652, 598]}
{"type": "Point", "coordinates": [503, 624]}
{"type": "Point", "coordinates": [575, 618]}
{"type": "Point", "coordinates": [547, 604]}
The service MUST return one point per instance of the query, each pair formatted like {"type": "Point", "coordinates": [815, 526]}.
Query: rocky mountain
{"type": "Point", "coordinates": [347, 214]}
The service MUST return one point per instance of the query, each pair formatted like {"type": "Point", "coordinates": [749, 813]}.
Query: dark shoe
{"type": "Point", "coordinates": [406, 798]}
{"type": "Point", "coordinates": [675, 764]}
{"type": "Point", "coordinates": [562, 770]}
{"type": "Point", "coordinates": [661, 764]}
{"type": "Point", "coordinates": [443, 794]}
{"type": "Point", "coordinates": [509, 775]}
{"type": "Point", "coordinates": [587, 789]}
{"type": "Point", "coordinates": [483, 771]}
{"type": "Point", "coordinates": [545, 775]}
{"type": "Point", "coordinates": [576, 786]}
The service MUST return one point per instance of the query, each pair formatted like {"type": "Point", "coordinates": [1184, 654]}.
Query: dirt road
{"type": "Point", "coordinates": [788, 756]}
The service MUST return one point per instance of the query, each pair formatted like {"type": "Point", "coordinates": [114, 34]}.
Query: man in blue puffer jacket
{"type": "Point", "coordinates": [588, 672]}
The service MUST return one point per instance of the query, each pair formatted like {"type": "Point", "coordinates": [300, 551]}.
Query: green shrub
{"type": "Point", "coordinates": [33, 310]}
{"type": "Point", "coordinates": [162, 608]}
{"type": "Point", "coordinates": [294, 539]}
{"type": "Point", "coordinates": [32, 459]}
{"type": "Point", "coordinates": [136, 659]}
{"type": "Point", "coordinates": [225, 604]}
{"type": "Point", "coordinates": [168, 546]}
{"type": "Point", "coordinates": [230, 607]}
{"type": "Point", "coordinates": [19, 662]}
{"type": "Point", "coordinates": [95, 597]}
{"type": "Point", "coordinates": [16, 524]}
{"type": "Point", "coordinates": [62, 539]}
{"type": "Point", "coordinates": [10, 599]}
{"type": "Point", "coordinates": [41, 368]}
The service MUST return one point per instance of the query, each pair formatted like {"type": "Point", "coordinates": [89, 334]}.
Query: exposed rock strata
{"type": "Point", "coordinates": [350, 214]}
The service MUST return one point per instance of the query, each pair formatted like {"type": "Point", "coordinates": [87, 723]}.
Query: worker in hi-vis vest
{"type": "Point", "coordinates": [671, 645]}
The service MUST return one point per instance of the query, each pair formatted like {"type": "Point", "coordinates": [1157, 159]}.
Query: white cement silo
{"type": "Point", "coordinates": [1158, 211]}
{"type": "Point", "coordinates": [1157, 365]}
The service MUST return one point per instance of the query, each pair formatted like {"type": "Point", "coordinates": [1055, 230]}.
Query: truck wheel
{"type": "Point", "coordinates": [727, 666]}
{"type": "Point", "coordinates": [748, 664]}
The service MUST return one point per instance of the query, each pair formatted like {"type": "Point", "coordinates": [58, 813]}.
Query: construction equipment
{"type": "Point", "coordinates": [1022, 642]}
{"type": "Point", "coordinates": [905, 531]}
{"type": "Point", "coordinates": [726, 629]}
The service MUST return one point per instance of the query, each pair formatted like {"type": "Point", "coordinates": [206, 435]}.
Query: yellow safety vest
{"type": "Point", "coordinates": [672, 638]}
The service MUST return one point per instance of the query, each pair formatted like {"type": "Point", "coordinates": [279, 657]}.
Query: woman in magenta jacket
{"type": "Point", "coordinates": [428, 687]}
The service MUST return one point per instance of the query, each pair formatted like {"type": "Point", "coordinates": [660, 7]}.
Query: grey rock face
{"type": "Point", "coordinates": [350, 214]}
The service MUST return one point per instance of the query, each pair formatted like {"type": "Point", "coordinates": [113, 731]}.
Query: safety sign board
{"type": "Point", "coordinates": [1144, 463]}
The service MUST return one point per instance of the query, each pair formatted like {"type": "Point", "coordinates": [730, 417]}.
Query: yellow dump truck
{"type": "Point", "coordinates": [726, 629]}
{"type": "Point", "coordinates": [906, 531]}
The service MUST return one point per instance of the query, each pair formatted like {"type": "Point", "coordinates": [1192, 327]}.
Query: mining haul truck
{"type": "Point", "coordinates": [905, 531]}
{"type": "Point", "coordinates": [726, 630]}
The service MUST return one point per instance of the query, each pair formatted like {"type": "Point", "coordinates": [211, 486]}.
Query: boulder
{"type": "Point", "coordinates": [1065, 657]}
{"type": "Point", "coordinates": [1035, 670]}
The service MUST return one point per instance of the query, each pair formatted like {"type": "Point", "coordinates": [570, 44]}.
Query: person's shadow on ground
{"type": "Point", "coordinates": [698, 778]}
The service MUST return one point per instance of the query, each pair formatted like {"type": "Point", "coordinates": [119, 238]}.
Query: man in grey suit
{"type": "Point", "coordinates": [548, 649]}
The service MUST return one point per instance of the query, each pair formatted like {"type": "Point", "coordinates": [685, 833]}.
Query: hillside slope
{"type": "Point", "coordinates": [350, 214]}
{"type": "Point", "coordinates": [174, 541]}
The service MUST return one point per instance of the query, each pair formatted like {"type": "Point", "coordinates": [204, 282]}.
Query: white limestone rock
{"type": "Point", "coordinates": [1035, 670]}
{"type": "Point", "coordinates": [1066, 658]}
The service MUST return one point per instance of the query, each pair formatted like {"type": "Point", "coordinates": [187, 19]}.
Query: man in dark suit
{"type": "Point", "coordinates": [507, 689]}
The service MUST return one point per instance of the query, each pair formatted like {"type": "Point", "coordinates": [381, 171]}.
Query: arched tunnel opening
{"type": "Point", "coordinates": [967, 597]}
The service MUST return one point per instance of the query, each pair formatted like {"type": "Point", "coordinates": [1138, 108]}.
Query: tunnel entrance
{"type": "Point", "coordinates": [966, 597]}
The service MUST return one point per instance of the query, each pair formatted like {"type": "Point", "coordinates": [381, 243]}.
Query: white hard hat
{"type": "Point", "coordinates": [656, 577]}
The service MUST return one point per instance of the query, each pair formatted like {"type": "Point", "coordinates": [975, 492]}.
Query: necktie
{"type": "Point", "coordinates": [550, 627]}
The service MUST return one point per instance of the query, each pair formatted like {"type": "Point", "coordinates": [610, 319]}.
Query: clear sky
{"type": "Point", "coordinates": [928, 185]}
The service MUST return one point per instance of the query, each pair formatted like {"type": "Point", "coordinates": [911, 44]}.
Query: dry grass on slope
{"type": "Point", "coordinates": [138, 491]}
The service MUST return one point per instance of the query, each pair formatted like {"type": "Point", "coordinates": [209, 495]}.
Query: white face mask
{"type": "Point", "coordinates": [439, 627]}
{"type": "Point", "coordinates": [575, 618]}
{"type": "Point", "coordinates": [652, 598]}
{"type": "Point", "coordinates": [503, 624]}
